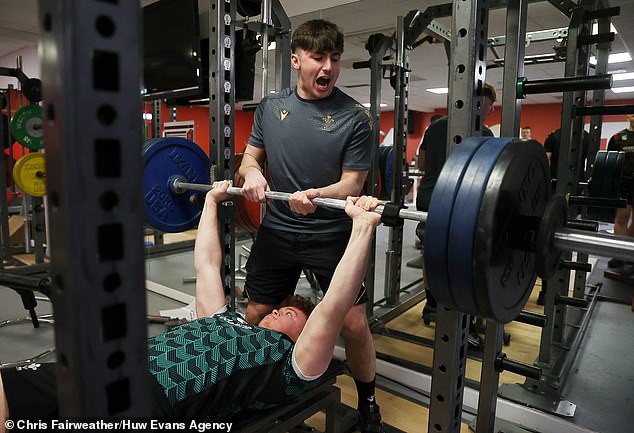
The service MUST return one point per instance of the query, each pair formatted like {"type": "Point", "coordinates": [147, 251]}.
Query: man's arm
{"type": "Point", "coordinates": [350, 184]}
{"type": "Point", "coordinates": [314, 347]}
{"type": "Point", "coordinates": [255, 184]}
{"type": "Point", "coordinates": [210, 295]}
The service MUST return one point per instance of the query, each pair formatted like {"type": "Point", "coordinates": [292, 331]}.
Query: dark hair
{"type": "Point", "coordinates": [526, 127]}
{"type": "Point", "coordinates": [489, 91]}
{"type": "Point", "coordinates": [318, 36]}
{"type": "Point", "coordinates": [299, 302]}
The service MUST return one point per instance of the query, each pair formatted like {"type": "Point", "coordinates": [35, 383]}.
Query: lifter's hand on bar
{"type": "Point", "coordinates": [301, 201]}
{"type": "Point", "coordinates": [255, 186]}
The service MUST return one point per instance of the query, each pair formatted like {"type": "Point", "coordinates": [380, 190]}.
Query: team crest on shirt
{"type": "Point", "coordinates": [283, 114]}
{"type": "Point", "coordinates": [32, 367]}
{"type": "Point", "coordinates": [328, 121]}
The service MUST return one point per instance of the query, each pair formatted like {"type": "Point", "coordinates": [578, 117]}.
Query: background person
{"type": "Point", "coordinates": [432, 155]}
{"type": "Point", "coordinates": [317, 143]}
{"type": "Point", "coordinates": [623, 141]}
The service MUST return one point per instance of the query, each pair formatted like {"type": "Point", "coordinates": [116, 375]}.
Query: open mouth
{"type": "Point", "coordinates": [323, 82]}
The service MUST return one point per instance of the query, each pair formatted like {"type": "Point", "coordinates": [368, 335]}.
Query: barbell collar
{"type": "Point", "coordinates": [599, 244]}
{"type": "Point", "coordinates": [178, 186]}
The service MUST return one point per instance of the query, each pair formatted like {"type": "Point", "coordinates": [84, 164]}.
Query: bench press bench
{"type": "Point", "coordinates": [326, 396]}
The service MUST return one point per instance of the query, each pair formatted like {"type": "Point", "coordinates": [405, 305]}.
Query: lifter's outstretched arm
{"type": "Point", "coordinates": [210, 295]}
{"type": "Point", "coordinates": [315, 344]}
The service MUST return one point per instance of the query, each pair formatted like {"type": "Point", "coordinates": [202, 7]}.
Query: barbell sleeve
{"type": "Point", "coordinates": [599, 244]}
{"type": "Point", "coordinates": [179, 187]}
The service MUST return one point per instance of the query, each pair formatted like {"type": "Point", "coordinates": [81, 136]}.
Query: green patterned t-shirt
{"type": "Point", "coordinates": [216, 366]}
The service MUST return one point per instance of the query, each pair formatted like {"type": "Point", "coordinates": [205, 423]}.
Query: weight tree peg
{"type": "Point", "coordinates": [525, 87]}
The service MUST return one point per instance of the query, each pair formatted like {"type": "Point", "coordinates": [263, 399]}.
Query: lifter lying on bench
{"type": "Point", "coordinates": [218, 364]}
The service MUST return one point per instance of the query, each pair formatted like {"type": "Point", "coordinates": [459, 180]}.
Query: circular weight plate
{"type": "Point", "coordinates": [29, 174]}
{"type": "Point", "coordinates": [516, 194]}
{"type": "Point", "coordinates": [595, 184]}
{"type": "Point", "coordinates": [27, 127]}
{"type": "Point", "coordinates": [611, 178]}
{"type": "Point", "coordinates": [546, 255]}
{"type": "Point", "coordinates": [464, 219]}
{"type": "Point", "coordinates": [166, 157]}
{"type": "Point", "coordinates": [439, 217]}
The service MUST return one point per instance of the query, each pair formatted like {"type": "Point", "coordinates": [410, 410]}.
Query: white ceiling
{"type": "Point", "coordinates": [358, 19]}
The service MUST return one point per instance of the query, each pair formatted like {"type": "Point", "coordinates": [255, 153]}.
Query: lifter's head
{"type": "Point", "coordinates": [290, 318]}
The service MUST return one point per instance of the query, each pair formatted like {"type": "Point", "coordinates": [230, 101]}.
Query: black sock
{"type": "Point", "coordinates": [365, 391]}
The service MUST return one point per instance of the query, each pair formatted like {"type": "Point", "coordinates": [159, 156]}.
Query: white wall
{"type": "Point", "coordinates": [30, 64]}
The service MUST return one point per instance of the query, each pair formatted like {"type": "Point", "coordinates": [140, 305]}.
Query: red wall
{"type": "Point", "coordinates": [542, 118]}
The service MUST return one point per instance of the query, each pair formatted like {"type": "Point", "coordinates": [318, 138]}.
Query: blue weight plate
{"type": "Point", "coordinates": [164, 158]}
{"type": "Point", "coordinates": [464, 219]}
{"type": "Point", "coordinates": [439, 217]}
{"type": "Point", "coordinates": [514, 201]}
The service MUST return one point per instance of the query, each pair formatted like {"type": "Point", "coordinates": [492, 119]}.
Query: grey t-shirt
{"type": "Point", "coordinates": [308, 143]}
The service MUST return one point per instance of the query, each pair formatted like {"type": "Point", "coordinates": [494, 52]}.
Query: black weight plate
{"type": "Point", "coordinates": [163, 159]}
{"type": "Point", "coordinates": [596, 181]}
{"type": "Point", "coordinates": [439, 218]}
{"type": "Point", "coordinates": [610, 187]}
{"type": "Point", "coordinates": [464, 219]}
{"type": "Point", "coordinates": [518, 190]}
{"type": "Point", "coordinates": [547, 257]}
{"type": "Point", "coordinates": [595, 184]}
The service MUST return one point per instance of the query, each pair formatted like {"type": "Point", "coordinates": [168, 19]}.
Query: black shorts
{"type": "Point", "coordinates": [32, 393]}
{"type": "Point", "coordinates": [277, 258]}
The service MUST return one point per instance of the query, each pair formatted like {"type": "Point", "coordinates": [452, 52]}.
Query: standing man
{"type": "Point", "coordinates": [317, 143]}
{"type": "Point", "coordinates": [432, 155]}
{"type": "Point", "coordinates": [623, 141]}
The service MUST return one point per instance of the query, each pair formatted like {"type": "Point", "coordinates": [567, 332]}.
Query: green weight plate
{"type": "Point", "coordinates": [27, 127]}
{"type": "Point", "coordinates": [29, 174]}
{"type": "Point", "coordinates": [512, 205]}
{"type": "Point", "coordinates": [163, 159]}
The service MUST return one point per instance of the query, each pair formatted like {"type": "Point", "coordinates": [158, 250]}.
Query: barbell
{"type": "Point", "coordinates": [491, 229]}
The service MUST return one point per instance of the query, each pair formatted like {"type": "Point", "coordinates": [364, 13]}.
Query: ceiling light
{"type": "Point", "coordinates": [627, 89]}
{"type": "Point", "coordinates": [439, 90]}
{"type": "Point", "coordinates": [614, 58]}
{"type": "Point", "coordinates": [623, 76]}
{"type": "Point", "coordinates": [368, 105]}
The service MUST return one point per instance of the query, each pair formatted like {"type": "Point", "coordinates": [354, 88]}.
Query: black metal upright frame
{"type": "Point", "coordinates": [90, 58]}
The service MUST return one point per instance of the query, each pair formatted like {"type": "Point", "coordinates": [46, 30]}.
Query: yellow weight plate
{"type": "Point", "coordinates": [29, 174]}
